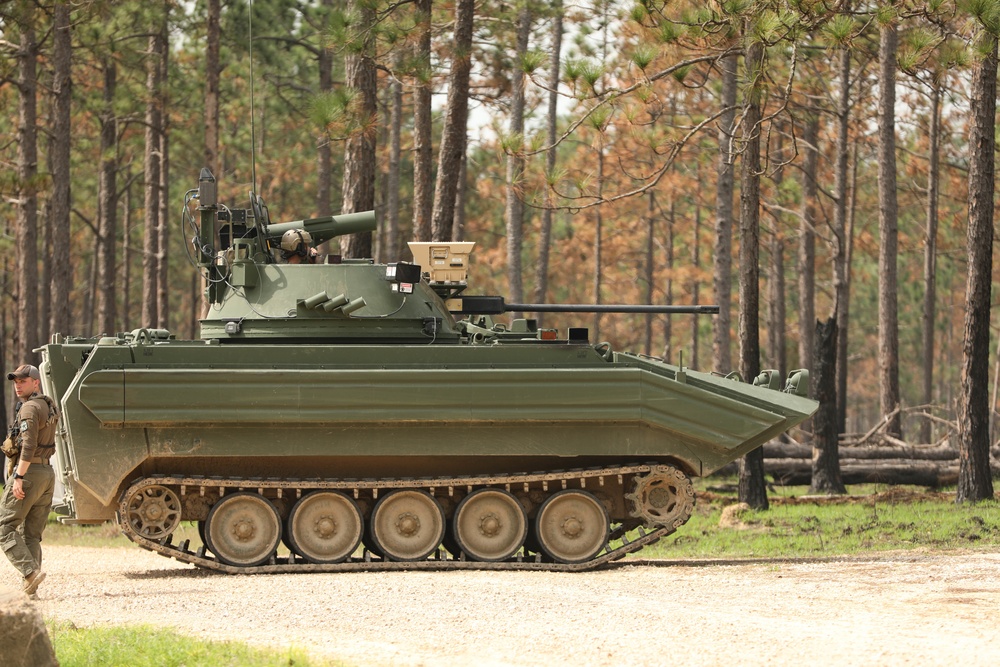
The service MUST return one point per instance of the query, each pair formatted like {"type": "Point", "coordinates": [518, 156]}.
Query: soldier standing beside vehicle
{"type": "Point", "coordinates": [27, 495]}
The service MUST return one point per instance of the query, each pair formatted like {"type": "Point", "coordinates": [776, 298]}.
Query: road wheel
{"type": "Point", "coordinates": [243, 529]}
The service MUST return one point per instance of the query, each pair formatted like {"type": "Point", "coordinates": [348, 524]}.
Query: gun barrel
{"type": "Point", "coordinates": [495, 305]}
{"type": "Point", "coordinates": [608, 308]}
{"type": "Point", "coordinates": [327, 227]}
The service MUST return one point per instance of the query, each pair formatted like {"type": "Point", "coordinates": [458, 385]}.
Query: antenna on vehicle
{"type": "Point", "coordinates": [253, 135]}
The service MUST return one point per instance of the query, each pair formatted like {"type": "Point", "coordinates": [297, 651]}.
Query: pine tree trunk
{"type": "Point", "coordinates": [695, 285]}
{"type": "Point", "coordinates": [752, 487]}
{"type": "Point", "coordinates": [668, 288]}
{"type": "Point", "coordinates": [163, 227]}
{"type": "Point", "coordinates": [151, 173]}
{"type": "Point", "coordinates": [841, 237]}
{"type": "Point", "coordinates": [888, 329]}
{"type": "Point", "coordinates": [598, 239]}
{"type": "Point", "coordinates": [324, 152]}
{"type": "Point", "coordinates": [453, 138]}
{"type": "Point", "coordinates": [807, 242]}
{"type": "Point", "coordinates": [458, 226]}
{"type": "Point", "coordinates": [930, 263]}
{"type": "Point", "coordinates": [59, 154]}
{"type": "Point", "coordinates": [974, 480]}
{"type": "Point", "coordinates": [26, 236]}
{"type": "Point", "coordinates": [127, 255]}
{"type": "Point", "coordinates": [776, 305]}
{"type": "Point", "coordinates": [212, 75]}
{"type": "Point", "coordinates": [107, 214]}
{"type": "Point", "coordinates": [723, 251]}
{"type": "Point", "coordinates": [648, 268]}
{"type": "Point", "coordinates": [391, 249]}
{"type": "Point", "coordinates": [359, 156]}
{"type": "Point", "coordinates": [423, 166]}
{"type": "Point", "coordinates": [163, 219]}
{"type": "Point", "coordinates": [825, 452]}
{"type": "Point", "coordinates": [514, 212]}
{"type": "Point", "coordinates": [552, 135]}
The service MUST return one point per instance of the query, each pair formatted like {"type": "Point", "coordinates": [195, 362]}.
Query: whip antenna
{"type": "Point", "coordinates": [253, 135]}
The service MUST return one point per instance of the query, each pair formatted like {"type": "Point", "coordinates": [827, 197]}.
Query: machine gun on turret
{"type": "Point", "coordinates": [247, 235]}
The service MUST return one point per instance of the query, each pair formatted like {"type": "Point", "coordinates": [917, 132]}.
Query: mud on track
{"type": "Point", "coordinates": [902, 608]}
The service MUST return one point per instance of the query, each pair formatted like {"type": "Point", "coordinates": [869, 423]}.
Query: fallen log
{"type": "Point", "coordinates": [928, 478]}
{"type": "Point", "coordinates": [944, 452]}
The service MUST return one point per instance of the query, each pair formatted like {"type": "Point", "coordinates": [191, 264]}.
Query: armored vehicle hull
{"type": "Point", "coordinates": [338, 415]}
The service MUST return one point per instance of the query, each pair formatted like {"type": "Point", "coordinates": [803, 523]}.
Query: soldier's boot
{"type": "Point", "coordinates": [32, 581]}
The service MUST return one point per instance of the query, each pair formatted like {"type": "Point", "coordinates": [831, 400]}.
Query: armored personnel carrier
{"type": "Point", "coordinates": [346, 415]}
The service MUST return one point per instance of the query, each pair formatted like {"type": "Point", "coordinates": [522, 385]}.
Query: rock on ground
{"type": "Point", "coordinates": [24, 641]}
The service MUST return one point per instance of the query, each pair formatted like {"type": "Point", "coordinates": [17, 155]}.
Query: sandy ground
{"type": "Point", "coordinates": [899, 609]}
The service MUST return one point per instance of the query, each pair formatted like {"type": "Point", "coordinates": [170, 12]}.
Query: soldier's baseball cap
{"type": "Point", "coordinates": [25, 371]}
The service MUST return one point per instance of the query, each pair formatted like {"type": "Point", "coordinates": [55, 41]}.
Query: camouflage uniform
{"type": "Point", "coordinates": [22, 521]}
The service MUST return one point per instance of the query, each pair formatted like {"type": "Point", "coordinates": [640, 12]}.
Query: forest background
{"type": "Point", "coordinates": [792, 161]}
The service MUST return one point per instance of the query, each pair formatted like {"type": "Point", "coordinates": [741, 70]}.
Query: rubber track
{"type": "Point", "coordinates": [582, 478]}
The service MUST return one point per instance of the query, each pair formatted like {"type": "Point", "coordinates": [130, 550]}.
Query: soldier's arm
{"type": "Point", "coordinates": [27, 423]}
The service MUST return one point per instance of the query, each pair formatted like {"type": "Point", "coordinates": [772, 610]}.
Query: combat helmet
{"type": "Point", "coordinates": [295, 242]}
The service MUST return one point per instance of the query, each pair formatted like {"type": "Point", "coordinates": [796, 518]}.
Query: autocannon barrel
{"type": "Point", "coordinates": [608, 308]}
{"type": "Point", "coordinates": [495, 305]}
{"type": "Point", "coordinates": [327, 227]}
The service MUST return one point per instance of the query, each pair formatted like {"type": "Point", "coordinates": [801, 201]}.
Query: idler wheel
{"type": "Point", "coordinates": [407, 525]}
{"type": "Point", "coordinates": [325, 527]}
{"type": "Point", "coordinates": [153, 512]}
{"type": "Point", "coordinates": [664, 497]}
{"type": "Point", "coordinates": [490, 525]}
{"type": "Point", "coordinates": [572, 526]}
{"type": "Point", "coordinates": [243, 529]}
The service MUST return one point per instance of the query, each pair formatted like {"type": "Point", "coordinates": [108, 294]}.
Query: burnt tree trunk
{"type": "Point", "coordinates": [974, 480]}
{"type": "Point", "coordinates": [807, 243]}
{"type": "Point", "coordinates": [888, 317]}
{"type": "Point", "coordinates": [930, 262]}
{"type": "Point", "coordinates": [514, 212]}
{"type": "Point", "coordinates": [825, 453]}
{"type": "Point", "coordinates": [359, 157]}
{"type": "Point", "coordinates": [61, 203]}
{"type": "Point", "coordinates": [26, 234]}
{"type": "Point", "coordinates": [551, 118]}
{"type": "Point", "coordinates": [423, 165]}
{"type": "Point", "coordinates": [453, 138]}
{"type": "Point", "coordinates": [725, 185]}
{"type": "Point", "coordinates": [107, 210]}
{"type": "Point", "coordinates": [752, 487]}
{"type": "Point", "coordinates": [152, 178]}
{"type": "Point", "coordinates": [324, 152]}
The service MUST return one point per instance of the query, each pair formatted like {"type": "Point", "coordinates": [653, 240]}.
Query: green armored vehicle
{"type": "Point", "coordinates": [346, 415]}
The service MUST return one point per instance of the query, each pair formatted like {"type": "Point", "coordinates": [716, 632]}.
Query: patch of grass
{"type": "Point", "coordinates": [104, 535]}
{"type": "Point", "coordinates": [872, 519]}
{"type": "Point", "coordinates": [144, 646]}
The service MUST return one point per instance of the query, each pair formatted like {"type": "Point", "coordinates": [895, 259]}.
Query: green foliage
{"type": "Point", "coordinates": [592, 72]}
{"type": "Point", "coordinates": [330, 110]}
{"type": "Point", "coordinates": [668, 32]}
{"type": "Point", "coordinates": [917, 46]}
{"type": "Point", "coordinates": [146, 646]}
{"type": "Point", "coordinates": [987, 12]}
{"type": "Point", "coordinates": [885, 15]}
{"type": "Point", "coordinates": [532, 60]}
{"type": "Point", "coordinates": [639, 12]}
{"type": "Point", "coordinates": [840, 30]}
{"type": "Point", "coordinates": [643, 55]}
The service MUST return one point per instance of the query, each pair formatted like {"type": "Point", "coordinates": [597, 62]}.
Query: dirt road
{"type": "Point", "coordinates": [904, 608]}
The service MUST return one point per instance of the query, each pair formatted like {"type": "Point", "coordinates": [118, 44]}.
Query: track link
{"type": "Point", "coordinates": [591, 478]}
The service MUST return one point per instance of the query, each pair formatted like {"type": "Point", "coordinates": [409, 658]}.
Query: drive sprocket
{"type": "Point", "coordinates": [663, 497]}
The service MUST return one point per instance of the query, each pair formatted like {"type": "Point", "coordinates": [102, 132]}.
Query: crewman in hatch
{"type": "Point", "coordinates": [296, 247]}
